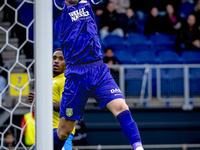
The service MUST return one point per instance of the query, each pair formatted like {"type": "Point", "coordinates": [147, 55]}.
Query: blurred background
{"type": "Point", "coordinates": [152, 48]}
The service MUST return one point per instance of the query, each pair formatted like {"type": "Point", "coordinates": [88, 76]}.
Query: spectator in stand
{"type": "Point", "coordinates": [196, 12]}
{"type": "Point", "coordinates": [3, 77]}
{"type": "Point", "coordinates": [121, 6]}
{"type": "Point", "coordinates": [110, 59]}
{"type": "Point", "coordinates": [129, 23]}
{"type": "Point", "coordinates": [153, 23]}
{"type": "Point", "coordinates": [190, 35]}
{"type": "Point", "coordinates": [109, 23]}
{"type": "Point", "coordinates": [9, 140]}
{"type": "Point", "coordinates": [171, 21]}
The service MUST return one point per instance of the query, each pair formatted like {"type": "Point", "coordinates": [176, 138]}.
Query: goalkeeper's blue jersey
{"type": "Point", "coordinates": [77, 30]}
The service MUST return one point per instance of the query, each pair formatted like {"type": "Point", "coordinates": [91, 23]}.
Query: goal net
{"type": "Point", "coordinates": [25, 66]}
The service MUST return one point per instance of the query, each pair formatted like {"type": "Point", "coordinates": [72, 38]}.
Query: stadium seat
{"type": "Point", "coordinates": [161, 42]}
{"type": "Point", "coordinates": [168, 57]}
{"type": "Point", "coordinates": [137, 43]}
{"type": "Point", "coordinates": [191, 57]}
{"type": "Point", "coordinates": [113, 39]}
{"type": "Point", "coordinates": [125, 57]}
{"type": "Point", "coordinates": [186, 8]}
{"type": "Point", "coordinates": [135, 38]}
{"type": "Point", "coordinates": [145, 57]}
{"type": "Point", "coordinates": [115, 42]}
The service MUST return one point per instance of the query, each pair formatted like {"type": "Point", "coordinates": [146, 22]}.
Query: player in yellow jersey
{"type": "Point", "coordinates": [58, 87]}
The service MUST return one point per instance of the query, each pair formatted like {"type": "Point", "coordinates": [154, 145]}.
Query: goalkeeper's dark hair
{"type": "Point", "coordinates": [57, 49]}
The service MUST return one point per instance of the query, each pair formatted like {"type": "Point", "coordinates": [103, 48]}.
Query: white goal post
{"type": "Point", "coordinates": [43, 74]}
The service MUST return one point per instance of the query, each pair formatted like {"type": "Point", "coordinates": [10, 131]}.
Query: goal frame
{"type": "Point", "coordinates": [43, 49]}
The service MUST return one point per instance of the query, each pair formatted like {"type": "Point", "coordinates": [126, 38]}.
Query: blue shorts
{"type": "Point", "coordinates": [86, 80]}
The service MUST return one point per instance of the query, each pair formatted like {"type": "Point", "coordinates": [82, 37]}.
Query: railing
{"type": "Point", "coordinates": [141, 97]}
{"type": "Point", "coordinates": [122, 147]}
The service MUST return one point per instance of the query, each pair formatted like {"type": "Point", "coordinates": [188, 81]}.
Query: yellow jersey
{"type": "Point", "coordinates": [58, 88]}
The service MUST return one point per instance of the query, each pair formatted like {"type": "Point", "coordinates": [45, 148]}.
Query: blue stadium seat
{"type": "Point", "coordinates": [136, 38]}
{"type": "Point", "coordinates": [145, 57]}
{"type": "Point", "coordinates": [161, 42]}
{"type": "Point", "coordinates": [191, 57]}
{"type": "Point", "coordinates": [185, 9]}
{"type": "Point", "coordinates": [125, 57]}
{"type": "Point", "coordinates": [159, 38]}
{"type": "Point", "coordinates": [115, 42]}
{"type": "Point", "coordinates": [113, 39]}
{"type": "Point", "coordinates": [168, 57]}
{"type": "Point", "coordinates": [137, 43]}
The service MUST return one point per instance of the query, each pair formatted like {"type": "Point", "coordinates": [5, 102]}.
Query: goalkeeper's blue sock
{"type": "Point", "coordinates": [129, 128]}
{"type": "Point", "coordinates": [58, 144]}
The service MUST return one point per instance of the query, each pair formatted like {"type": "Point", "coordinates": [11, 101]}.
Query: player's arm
{"type": "Point", "coordinates": [95, 1]}
{"type": "Point", "coordinates": [31, 96]}
{"type": "Point", "coordinates": [58, 6]}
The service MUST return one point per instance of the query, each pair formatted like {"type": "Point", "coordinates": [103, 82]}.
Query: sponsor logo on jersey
{"type": "Point", "coordinates": [69, 112]}
{"type": "Point", "coordinates": [115, 90]}
{"type": "Point", "coordinates": [78, 14]}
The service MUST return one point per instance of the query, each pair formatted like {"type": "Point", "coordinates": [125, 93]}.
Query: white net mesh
{"type": "Point", "coordinates": [16, 50]}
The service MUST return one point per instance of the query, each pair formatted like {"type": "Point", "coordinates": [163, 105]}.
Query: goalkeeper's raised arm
{"type": "Point", "coordinates": [95, 1]}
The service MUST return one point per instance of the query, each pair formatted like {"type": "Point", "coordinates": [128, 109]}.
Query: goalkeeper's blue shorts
{"type": "Point", "coordinates": [84, 81]}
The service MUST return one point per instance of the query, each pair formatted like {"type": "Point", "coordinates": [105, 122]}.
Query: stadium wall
{"type": "Point", "coordinates": [157, 126]}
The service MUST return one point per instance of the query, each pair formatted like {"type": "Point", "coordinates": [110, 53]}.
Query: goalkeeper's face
{"type": "Point", "coordinates": [72, 2]}
{"type": "Point", "coordinates": [58, 63]}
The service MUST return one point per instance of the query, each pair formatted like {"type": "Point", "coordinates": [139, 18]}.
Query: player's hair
{"type": "Point", "coordinates": [58, 49]}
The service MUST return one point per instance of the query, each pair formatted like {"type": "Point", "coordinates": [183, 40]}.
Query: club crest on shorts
{"type": "Point", "coordinates": [69, 112]}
